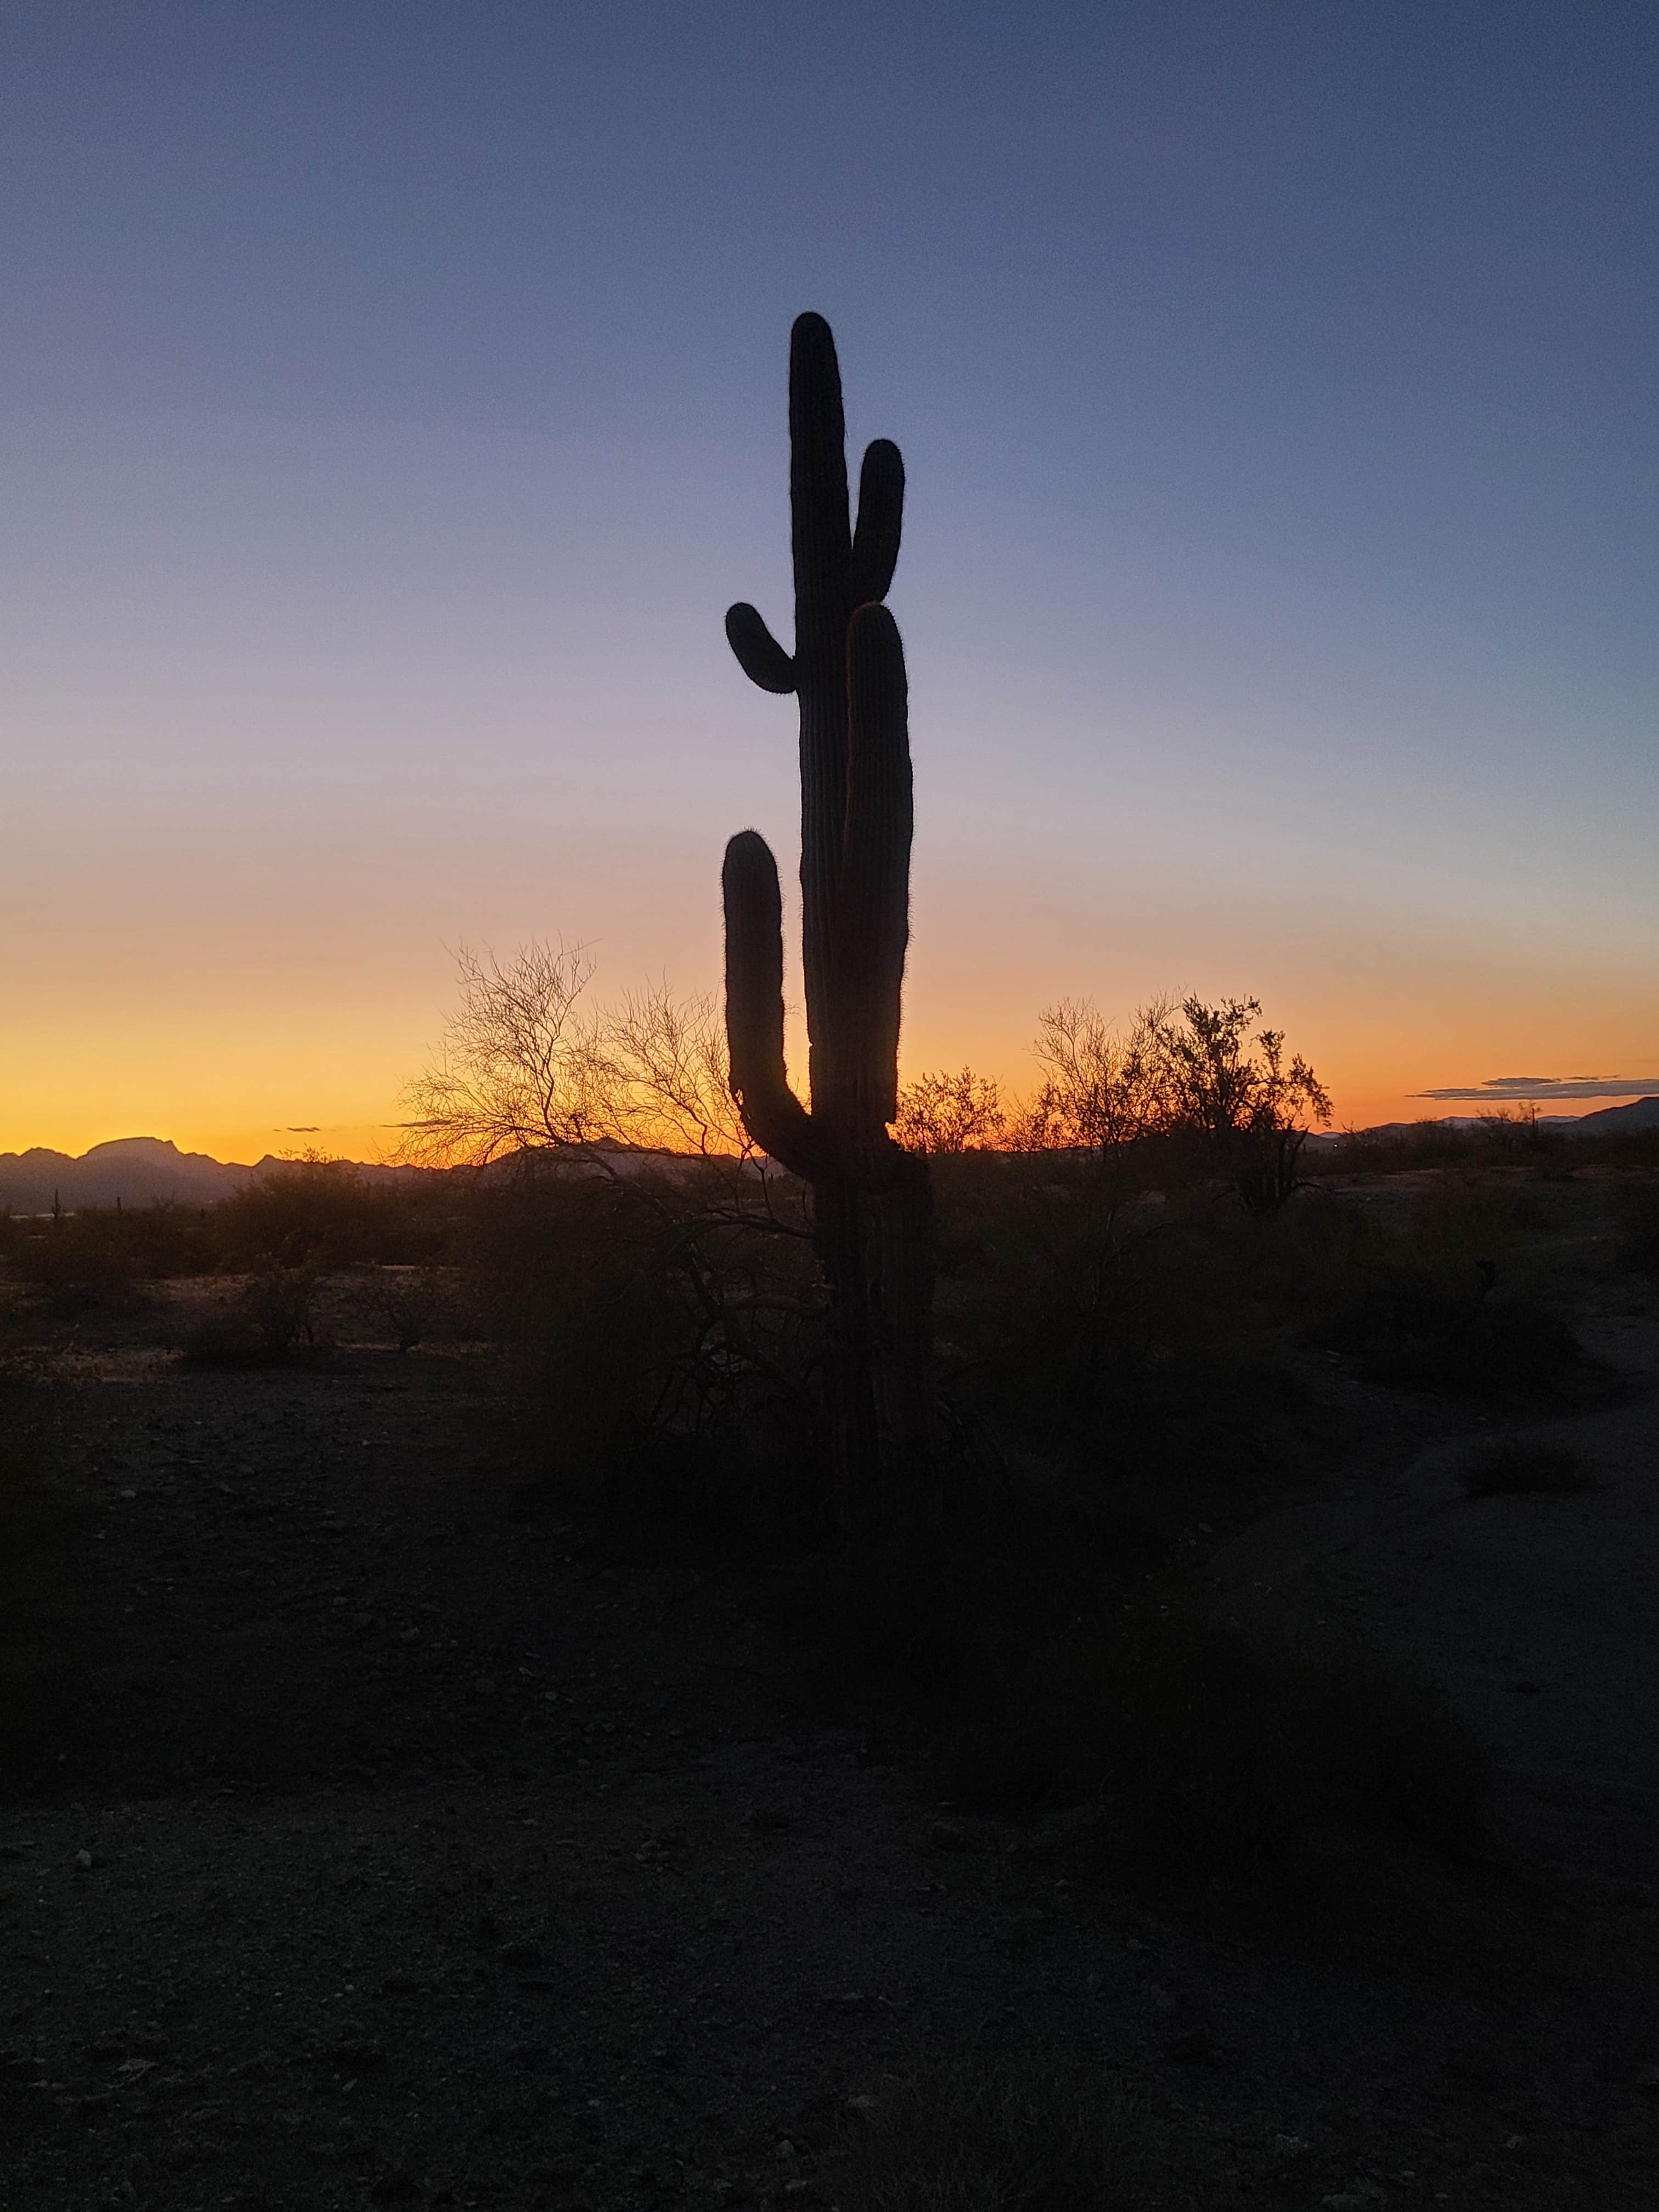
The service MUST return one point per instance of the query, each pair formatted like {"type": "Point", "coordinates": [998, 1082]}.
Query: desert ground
{"type": "Point", "coordinates": [381, 1825]}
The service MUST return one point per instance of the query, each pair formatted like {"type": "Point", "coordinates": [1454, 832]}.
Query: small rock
{"type": "Point", "coordinates": [786, 2149]}
{"type": "Point", "coordinates": [946, 1836]}
{"type": "Point", "coordinates": [83, 1860]}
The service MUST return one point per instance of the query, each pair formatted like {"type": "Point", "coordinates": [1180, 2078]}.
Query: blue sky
{"type": "Point", "coordinates": [394, 401]}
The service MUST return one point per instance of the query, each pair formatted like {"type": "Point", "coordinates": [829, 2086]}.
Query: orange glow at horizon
{"type": "Point", "coordinates": [240, 1086]}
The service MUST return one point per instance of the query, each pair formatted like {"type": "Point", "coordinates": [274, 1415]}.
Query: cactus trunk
{"type": "Point", "coordinates": [871, 1202]}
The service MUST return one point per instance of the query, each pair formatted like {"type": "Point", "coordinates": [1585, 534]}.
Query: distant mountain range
{"type": "Point", "coordinates": [140, 1171]}
{"type": "Point", "coordinates": [1605, 1121]}
{"type": "Point", "coordinates": [137, 1171]}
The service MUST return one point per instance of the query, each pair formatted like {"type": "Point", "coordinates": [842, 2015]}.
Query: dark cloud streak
{"type": "Point", "coordinates": [1508, 1089]}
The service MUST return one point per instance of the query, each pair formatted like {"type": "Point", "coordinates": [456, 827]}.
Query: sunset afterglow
{"type": "Point", "coordinates": [394, 407]}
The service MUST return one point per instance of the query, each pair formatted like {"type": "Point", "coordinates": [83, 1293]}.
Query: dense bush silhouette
{"type": "Point", "coordinates": [328, 1214]}
{"type": "Point", "coordinates": [1188, 1091]}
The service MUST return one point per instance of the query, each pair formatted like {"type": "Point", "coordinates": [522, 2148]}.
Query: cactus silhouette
{"type": "Point", "coordinates": [872, 1206]}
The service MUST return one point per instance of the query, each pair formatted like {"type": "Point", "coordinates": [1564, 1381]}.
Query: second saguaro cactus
{"type": "Point", "coordinates": [871, 1198]}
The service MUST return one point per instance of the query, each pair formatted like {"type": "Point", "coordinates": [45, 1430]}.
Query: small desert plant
{"type": "Point", "coordinates": [1514, 1466]}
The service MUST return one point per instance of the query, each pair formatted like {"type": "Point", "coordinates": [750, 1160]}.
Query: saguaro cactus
{"type": "Point", "coordinates": [870, 1199]}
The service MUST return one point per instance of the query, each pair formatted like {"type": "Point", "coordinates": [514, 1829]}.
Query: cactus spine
{"type": "Point", "coordinates": [870, 1199]}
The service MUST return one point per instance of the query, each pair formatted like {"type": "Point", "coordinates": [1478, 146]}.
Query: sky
{"type": "Point", "coordinates": [392, 400]}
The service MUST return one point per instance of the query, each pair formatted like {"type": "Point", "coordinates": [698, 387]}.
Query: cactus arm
{"type": "Point", "coordinates": [772, 1114]}
{"type": "Point", "coordinates": [873, 908]}
{"type": "Point", "coordinates": [818, 483]}
{"type": "Point", "coordinates": [881, 517]}
{"type": "Point", "coordinates": [760, 656]}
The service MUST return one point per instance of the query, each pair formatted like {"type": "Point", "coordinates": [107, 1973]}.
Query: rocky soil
{"type": "Point", "coordinates": [381, 1834]}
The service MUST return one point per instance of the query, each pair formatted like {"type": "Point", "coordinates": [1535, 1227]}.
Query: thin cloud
{"type": "Point", "coordinates": [303, 1130]}
{"type": "Point", "coordinates": [1541, 1090]}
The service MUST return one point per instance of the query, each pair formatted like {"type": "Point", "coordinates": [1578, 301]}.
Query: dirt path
{"type": "Point", "coordinates": [404, 1845]}
{"type": "Point", "coordinates": [1536, 1614]}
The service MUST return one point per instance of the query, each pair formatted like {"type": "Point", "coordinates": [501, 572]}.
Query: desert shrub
{"type": "Point", "coordinates": [945, 1113]}
{"type": "Point", "coordinates": [330, 1214]}
{"type": "Point", "coordinates": [272, 1321]}
{"type": "Point", "coordinates": [1088, 1318]}
{"type": "Point", "coordinates": [1219, 1746]}
{"type": "Point", "coordinates": [1516, 1465]}
{"type": "Point", "coordinates": [1451, 1301]}
{"type": "Point", "coordinates": [1418, 1323]}
{"type": "Point", "coordinates": [1468, 1215]}
{"type": "Point", "coordinates": [90, 1261]}
{"type": "Point", "coordinates": [665, 1326]}
{"type": "Point", "coordinates": [1042, 2131]}
{"type": "Point", "coordinates": [1188, 1093]}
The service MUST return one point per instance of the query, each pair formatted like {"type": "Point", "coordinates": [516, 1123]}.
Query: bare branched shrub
{"type": "Point", "coordinates": [942, 1113]}
{"type": "Point", "coordinates": [1103, 1089]}
{"type": "Point", "coordinates": [528, 1063]}
{"type": "Point", "coordinates": [522, 1064]}
{"type": "Point", "coordinates": [651, 1272]}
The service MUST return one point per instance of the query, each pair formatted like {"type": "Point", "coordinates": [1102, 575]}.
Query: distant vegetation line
{"type": "Point", "coordinates": [146, 1170]}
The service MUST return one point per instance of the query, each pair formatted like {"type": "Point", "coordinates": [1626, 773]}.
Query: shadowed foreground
{"type": "Point", "coordinates": [378, 1834]}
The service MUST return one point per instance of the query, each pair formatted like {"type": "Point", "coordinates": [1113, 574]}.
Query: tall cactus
{"type": "Point", "coordinates": [870, 1199]}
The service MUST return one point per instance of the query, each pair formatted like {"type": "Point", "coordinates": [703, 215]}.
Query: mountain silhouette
{"type": "Point", "coordinates": [137, 1171]}
{"type": "Point", "coordinates": [149, 1170]}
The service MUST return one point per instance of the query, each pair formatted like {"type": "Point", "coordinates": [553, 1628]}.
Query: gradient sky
{"type": "Point", "coordinates": [394, 401]}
